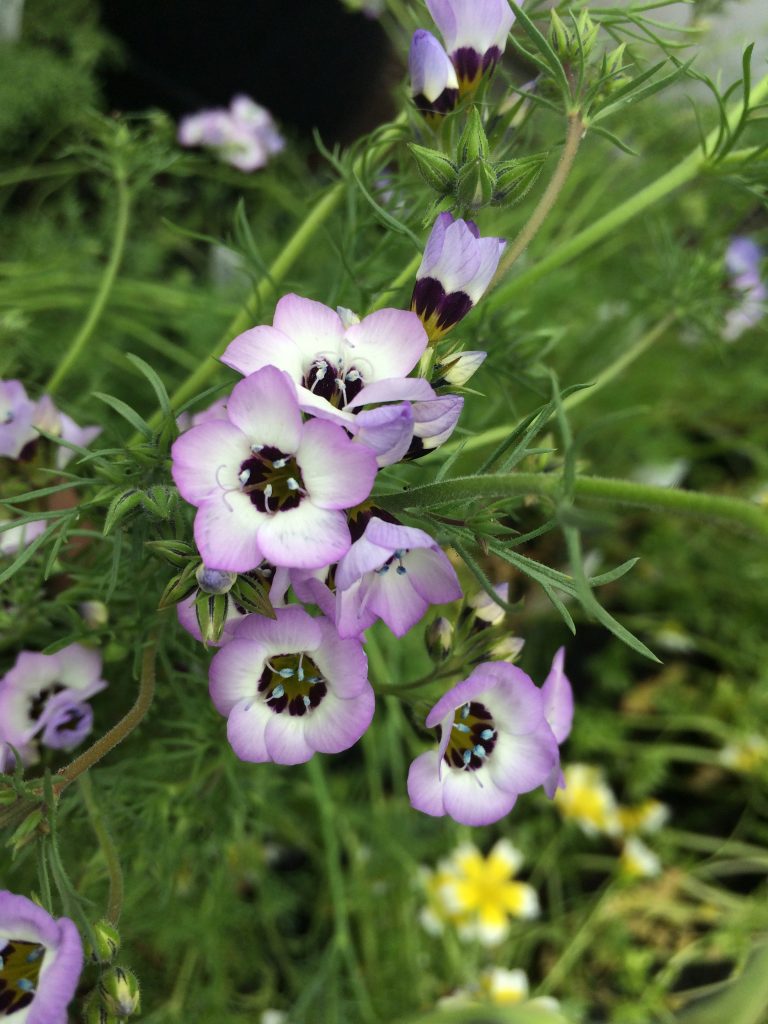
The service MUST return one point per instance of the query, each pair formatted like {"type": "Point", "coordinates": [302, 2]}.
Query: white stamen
{"type": "Point", "coordinates": [279, 463]}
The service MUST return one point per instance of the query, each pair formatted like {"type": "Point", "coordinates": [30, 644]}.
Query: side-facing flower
{"type": "Point", "coordinates": [291, 687]}
{"type": "Point", "coordinates": [394, 573]}
{"type": "Point", "coordinates": [742, 260]}
{"type": "Point", "coordinates": [43, 697]}
{"type": "Point", "coordinates": [40, 962]}
{"type": "Point", "coordinates": [16, 415]}
{"type": "Point", "coordinates": [455, 271]}
{"type": "Point", "coordinates": [495, 743]}
{"type": "Point", "coordinates": [433, 424]}
{"type": "Point", "coordinates": [244, 135]}
{"type": "Point", "coordinates": [53, 421]}
{"type": "Point", "coordinates": [341, 364]}
{"type": "Point", "coordinates": [558, 711]}
{"type": "Point", "coordinates": [434, 85]}
{"type": "Point", "coordinates": [475, 34]}
{"type": "Point", "coordinates": [267, 485]}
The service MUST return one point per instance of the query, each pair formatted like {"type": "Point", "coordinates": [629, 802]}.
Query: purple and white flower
{"type": "Point", "coordinates": [434, 85]}
{"type": "Point", "coordinates": [244, 135]}
{"type": "Point", "coordinates": [40, 962]}
{"type": "Point", "coordinates": [433, 424]}
{"type": "Point", "coordinates": [267, 485]}
{"type": "Point", "coordinates": [54, 421]}
{"type": "Point", "coordinates": [742, 260]}
{"type": "Point", "coordinates": [475, 34]}
{"type": "Point", "coordinates": [17, 413]}
{"type": "Point", "coordinates": [455, 271]}
{"type": "Point", "coordinates": [495, 743]}
{"type": "Point", "coordinates": [341, 364]}
{"type": "Point", "coordinates": [291, 687]}
{"type": "Point", "coordinates": [43, 699]}
{"type": "Point", "coordinates": [14, 538]}
{"type": "Point", "coordinates": [457, 368]}
{"type": "Point", "coordinates": [394, 573]}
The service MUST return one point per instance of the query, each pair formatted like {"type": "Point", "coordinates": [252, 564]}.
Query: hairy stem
{"type": "Point", "coordinates": [713, 508]}
{"type": "Point", "coordinates": [108, 848]}
{"type": "Point", "coordinates": [101, 297]}
{"type": "Point", "coordinates": [573, 137]}
{"type": "Point", "coordinates": [124, 727]}
{"type": "Point", "coordinates": [685, 171]}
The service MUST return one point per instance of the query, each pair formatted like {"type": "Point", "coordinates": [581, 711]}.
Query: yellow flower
{"type": "Point", "coordinates": [647, 816]}
{"type": "Point", "coordinates": [477, 894]}
{"type": "Point", "coordinates": [497, 986]}
{"type": "Point", "coordinates": [637, 861]}
{"type": "Point", "coordinates": [588, 800]}
{"type": "Point", "coordinates": [746, 755]}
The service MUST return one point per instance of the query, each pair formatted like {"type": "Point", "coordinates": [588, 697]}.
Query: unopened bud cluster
{"type": "Point", "coordinates": [473, 180]}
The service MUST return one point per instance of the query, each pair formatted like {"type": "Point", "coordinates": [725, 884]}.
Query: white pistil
{"type": "Point", "coordinates": [307, 701]}
{"type": "Point", "coordinates": [256, 448]}
{"type": "Point", "coordinates": [244, 476]}
{"type": "Point", "coordinates": [267, 496]}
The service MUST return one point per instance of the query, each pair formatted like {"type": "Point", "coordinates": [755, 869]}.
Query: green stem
{"type": "Point", "coordinates": [713, 508]}
{"type": "Point", "coordinates": [118, 732]}
{"type": "Point", "coordinates": [685, 171]}
{"type": "Point", "coordinates": [101, 297]}
{"type": "Point", "coordinates": [336, 883]}
{"type": "Point", "coordinates": [59, 168]}
{"type": "Point", "coordinates": [577, 943]}
{"type": "Point", "coordinates": [573, 137]}
{"type": "Point", "coordinates": [108, 848]}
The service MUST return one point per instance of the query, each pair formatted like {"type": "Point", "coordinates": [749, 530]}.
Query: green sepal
{"type": "Point", "coordinates": [515, 178]}
{"type": "Point", "coordinates": [473, 143]}
{"type": "Point", "coordinates": [436, 169]}
{"type": "Point", "coordinates": [120, 506]}
{"type": "Point", "coordinates": [25, 832]}
{"type": "Point", "coordinates": [180, 586]}
{"type": "Point", "coordinates": [253, 595]}
{"type": "Point", "coordinates": [476, 184]}
{"type": "Point", "coordinates": [211, 611]}
{"type": "Point", "coordinates": [176, 552]}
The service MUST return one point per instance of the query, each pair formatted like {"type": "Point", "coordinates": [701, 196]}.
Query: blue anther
{"type": "Point", "coordinates": [467, 756]}
{"type": "Point", "coordinates": [25, 985]}
{"type": "Point", "coordinates": [480, 751]}
{"type": "Point", "coordinates": [461, 727]}
{"type": "Point", "coordinates": [382, 570]}
{"type": "Point", "coordinates": [465, 711]}
{"type": "Point", "coordinates": [279, 691]}
{"type": "Point", "coordinates": [307, 701]}
{"type": "Point", "coordinates": [401, 570]}
{"type": "Point", "coordinates": [33, 956]}
{"type": "Point", "coordinates": [486, 734]}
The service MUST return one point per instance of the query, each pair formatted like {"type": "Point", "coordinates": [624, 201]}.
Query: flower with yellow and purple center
{"type": "Point", "coordinates": [434, 85]}
{"type": "Point", "coordinates": [455, 271]}
{"type": "Point", "coordinates": [268, 485]}
{"type": "Point", "coordinates": [743, 258]}
{"type": "Point", "coordinates": [394, 573]}
{"type": "Point", "coordinates": [17, 413]}
{"type": "Point", "coordinates": [43, 699]}
{"type": "Point", "coordinates": [40, 962]}
{"type": "Point", "coordinates": [243, 135]}
{"type": "Point", "coordinates": [495, 743]}
{"type": "Point", "coordinates": [291, 687]}
{"type": "Point", "coordinates": [340, 364]}
{"type": "Point", "coordinates": [475, 35]}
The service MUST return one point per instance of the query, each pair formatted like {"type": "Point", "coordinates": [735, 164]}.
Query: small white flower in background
{"type": "Point", "coordinates": [498, 986]}
{"type": "Point", "coordinates": [648, 816]}
{"type": "Point", "coordinates": [745, 755]}
{"type": "Point", "coordinates": [672, 637]}
{"type": "Point", "coordinates": [588, 800]}
{"type": "Point", "coordinates": [662, 474]}
{"type": "Point", "coordinates": [273, 1017]}
{"type": "Point", "coordinates": [243, 135]}
{"type": "Point", "coordinates": [637, 860]}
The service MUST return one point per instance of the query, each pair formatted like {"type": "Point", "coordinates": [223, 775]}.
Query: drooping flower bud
{"type": "Point", "coordinates": [438, 638]}
{"type": "Point", "coordinates": [457, 368]}
{"type": "Point", "coordinates": [434, 86]}
{"type": "Point", "coordinates": [94, 613]}
{"type": "Point", "coordinates": [107, 942]}
{"type": "Point", "coordinates": [215, 581]}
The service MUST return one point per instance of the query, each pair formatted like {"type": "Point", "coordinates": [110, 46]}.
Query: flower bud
{"type": "Point", "coordinates": [214, 581]}
{"type": "Point", "coordinates": [573, 42]}
{"type": "Point", "coordinates": [476, 184]}
{"type": "Point", "coordinates": [211, 611]}
{"type": "Point", "coordinates": [107, 942]}
{"type": "Point", "coordinates": [473, 144]}
{"type": "Point", "coordinates": [613, 77]}
{"type": "Point", "coordinates": [507, 649]}
{"type": "Point", "coordinates": [438, 638]}
{"type": "Point", "coordinates": [514, 178]}
{"type": "Point", "coordinates": [437, 170]}
{"type": "Point", "coordinates": [94, 1012]}
{"type": "Point", "coordinates": [457, 369]}
{"type": "Point", "coordinates": [119, 992]}
{"type": "Point", "coordinates": [94, 613]}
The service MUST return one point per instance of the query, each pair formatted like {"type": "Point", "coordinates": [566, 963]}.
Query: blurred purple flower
{"type": "Point", "coordinates": [244, 135]}
{"type": "Point", "coordinates": [742, 260]}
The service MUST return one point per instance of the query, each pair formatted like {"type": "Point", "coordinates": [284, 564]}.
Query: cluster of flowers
{"type": "Point", "coordinates": [281, 473]}
{"type": "Point", "coordinates": [743, 259]}
{"type": "Point", "coordinates": [475, 34]}
{"type": "Point", "coordinates": [43, 702]}
{"type": "Point", "coordinates": [242, 135]}
{"type": "Point", "coordinates": [21, 421]}
{"type": "Point", "coordinates": [589, 802]}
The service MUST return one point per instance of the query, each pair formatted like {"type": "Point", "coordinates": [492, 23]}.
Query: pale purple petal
{"type": "Point", "coordinates": [207, 460]}
{"type": "Point", "coordinates": [386, 430]}
{"type": "Point", "coordinates": [337, 472]}
{"type": "Point", "coordinates": [305, 537]}
{"type": "Point", "coordinates": [226, 532]}
{"type": "Point", "coordinates": [521, 763]}
{"type": "Point", "coordinates": [67, 722]}
{"type": "Point", "coordinates": [394, 600]}
{"type": "Point", "coordinates": [430, 67]}
{"type": "Point", "coordinates": [70, 431]}
{"type": "Point", "coordinates": [17, 412]}
{"type": "Point", "coordinates": [434, 247]}
{"type": "Point", "coordinates": [314, 327]}
{"type": "Point", "coordinates": [425, 789]}
{"type": "Point", "coordinates": [292, 630]}
{"type": "Point", "coordinates": [265, 407]}
{"type": "Point", "coordinates": [743, 257]}
{"type": "Point", "coordinates": [285, 740]}
{"type": "Point", "coordinates": [79, 667]}
{"type": "Point", "coordinates": [435, 421]}
{"type": "Point", "coordinates": [17, 537]}
{"type": "Point", "coordinates": [400, 389]}
{"type": "Point", "coordinates": [337, 724]}
{"type": "Point", "coordinates": [554, 781]}
{"type": "Point", "coordinates": [386, 344]}
{"type": "Point", "coordinates": [342, 661]}
{"type": "Point", "coordinates": [558, 698]}
{"type": "Point", "coordinates": [432, 576]}
{"type": "Point", "coordinates": [264, 346]}
{"type": "Point", "coordinates": [234, 673]}
{"type": "Point", "coordinates": [246, 727]}
{"type": "Point", "coordinates": [458, 260]}
{"type": "Point", "coordinates": [469, 803]}
{"type": "Point", "coordinates": [351, 616]}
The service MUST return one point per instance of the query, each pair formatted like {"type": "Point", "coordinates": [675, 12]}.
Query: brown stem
{"type": "Point", "coordinates": [573, 138]}
{"type": "Point", "coordinates": [118, 732]}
